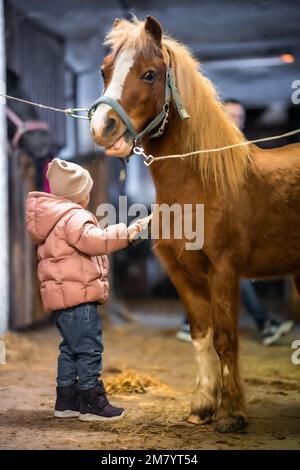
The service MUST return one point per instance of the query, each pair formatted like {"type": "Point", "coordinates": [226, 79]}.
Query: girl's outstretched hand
{"type": "Point", "coordinates": [138, 226]}
{"type": "Point", "coordinates": [133, 230]}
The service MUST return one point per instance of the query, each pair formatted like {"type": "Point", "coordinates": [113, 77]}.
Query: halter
{"type": "Point", "coordinates": [162, 118]}
{"type": "Point", "coordinates": [23, 126]}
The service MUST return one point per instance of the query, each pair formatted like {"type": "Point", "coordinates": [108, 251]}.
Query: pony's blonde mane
{"type": "Point", "coordinates": [208, 126]}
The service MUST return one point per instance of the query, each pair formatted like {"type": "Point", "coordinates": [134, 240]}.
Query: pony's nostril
{"type": "Point", "coordinates": [111, 125]}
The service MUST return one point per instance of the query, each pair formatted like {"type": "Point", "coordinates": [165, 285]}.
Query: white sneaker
{"type": "Point", "coordinates": [184, 334]}
{"type": "Point", "coordinates": [274, 331]}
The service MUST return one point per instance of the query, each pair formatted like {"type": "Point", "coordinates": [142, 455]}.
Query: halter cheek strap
{"type": "Point", "coordinates": [176, 96]}
{"type": "Point", "coordinates": [171, 92]}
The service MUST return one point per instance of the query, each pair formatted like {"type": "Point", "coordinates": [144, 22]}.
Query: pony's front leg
{"type": "Point", "coordinates": [207, 395]}
{"type": "Point", "coordinates": [197, 303]}
{"type": "Point", "coordinates": [225, 295]}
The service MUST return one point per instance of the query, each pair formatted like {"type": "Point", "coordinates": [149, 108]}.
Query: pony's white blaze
{"type": "Point", "coordinates": [122, 66]}
{"type": "Point", "coordinates": [209, 375]}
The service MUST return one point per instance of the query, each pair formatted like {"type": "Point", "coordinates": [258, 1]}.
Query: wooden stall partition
{"type": "Point", "coordinates": [25, 302]}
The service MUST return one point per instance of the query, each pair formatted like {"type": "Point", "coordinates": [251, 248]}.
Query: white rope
{"type": "Point", "coordinates": [67, 111]}
{"type": "Point", "coordinates": [219, 149]}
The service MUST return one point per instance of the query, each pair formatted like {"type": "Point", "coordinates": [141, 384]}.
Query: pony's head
{"type": "Point", "coordinates": [146, 72]}
{"type": "Point", "coordinates": [134, 75]}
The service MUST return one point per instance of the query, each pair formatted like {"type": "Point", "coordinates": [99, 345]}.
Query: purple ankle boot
{"type": "Point", "coordinates": [94, 406]}
{"type": "Point", "coordinates": [67, 402]}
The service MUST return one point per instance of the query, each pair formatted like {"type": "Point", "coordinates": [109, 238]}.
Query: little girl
{"type": "Point", "coordinates": [73, 275]}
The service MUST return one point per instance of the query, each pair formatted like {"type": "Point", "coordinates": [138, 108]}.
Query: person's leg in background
{"type": "Point", "coordinates": [270, 329]}
{"type": "Point", "coordinates": [253, 305]}
{"type": "Point", "coordinates": [184, 331]}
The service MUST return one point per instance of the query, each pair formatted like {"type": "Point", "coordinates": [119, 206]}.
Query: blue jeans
{"type": "Point", "coordinates": [81, 348]}
{"type": "Point", "coordinates": [253, 304]}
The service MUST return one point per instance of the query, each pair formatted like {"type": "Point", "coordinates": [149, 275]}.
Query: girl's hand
{"type": "Point", "coordinates": [138, 226]}
{"type": "Point", "coordinates": [133, 230]}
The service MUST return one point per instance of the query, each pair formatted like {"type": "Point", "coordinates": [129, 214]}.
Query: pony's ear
{"type": "Point", "coordinates": [116, 22]}
{"type": "Point", "coordinates": [153, 27]}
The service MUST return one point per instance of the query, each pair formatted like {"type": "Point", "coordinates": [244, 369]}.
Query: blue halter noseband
{"type": "Point", "coordinates": [171, 92]}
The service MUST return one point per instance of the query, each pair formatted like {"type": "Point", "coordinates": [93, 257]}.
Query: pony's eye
{"type": "Point", "coordinates": [149, 76]}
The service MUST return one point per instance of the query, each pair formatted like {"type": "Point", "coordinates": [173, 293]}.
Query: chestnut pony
{"type": "Point", "coordinates": [251, 197]}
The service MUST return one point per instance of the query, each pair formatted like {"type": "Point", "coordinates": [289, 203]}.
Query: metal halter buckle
{"type": "Point", "coordinates": [139, 151]}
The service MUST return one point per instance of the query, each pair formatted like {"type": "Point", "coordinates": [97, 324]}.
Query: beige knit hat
{"type": "Point", "coordinates": [69, 180]}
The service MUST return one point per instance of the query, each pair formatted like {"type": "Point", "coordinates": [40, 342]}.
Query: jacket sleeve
{"type": "Point", "coordinates": [83, 234]}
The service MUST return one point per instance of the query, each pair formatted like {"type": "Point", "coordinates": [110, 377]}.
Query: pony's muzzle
{"type": "Point", "coordinates": [106, 125]}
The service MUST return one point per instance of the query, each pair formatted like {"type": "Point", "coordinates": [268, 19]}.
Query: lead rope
{"type": "Point", "coordinates": [68, 111]}
{"type": "Point", "coordinates": [149, 159]}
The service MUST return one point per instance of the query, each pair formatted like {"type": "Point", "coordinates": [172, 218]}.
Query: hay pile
{"type": "Point", "coordinates": [18, 348]}
{"type": "Point", "coordinates": [130, 381]}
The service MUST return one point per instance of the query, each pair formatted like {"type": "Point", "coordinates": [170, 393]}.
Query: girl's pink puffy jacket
{"type": "Point", "coordinates": [73, 266]}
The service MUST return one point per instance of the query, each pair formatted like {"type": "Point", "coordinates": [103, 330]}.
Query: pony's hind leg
{"type": "Point", "coordinates": [231, 412]}
{"type": "Point", "coordinates": [197, 303]}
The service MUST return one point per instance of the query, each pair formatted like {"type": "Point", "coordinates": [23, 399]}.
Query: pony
{"type": "Point", "coordinates": [250, 196]}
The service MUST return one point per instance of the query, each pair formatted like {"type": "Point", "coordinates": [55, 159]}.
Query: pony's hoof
{"type": "Point", "coordinates": [231, 424]}
{"type": "Point", "coordinates": [202, 417]}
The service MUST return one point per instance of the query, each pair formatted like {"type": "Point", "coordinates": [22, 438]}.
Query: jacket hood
{"type": "Point", "coordinates": [43, 211]}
